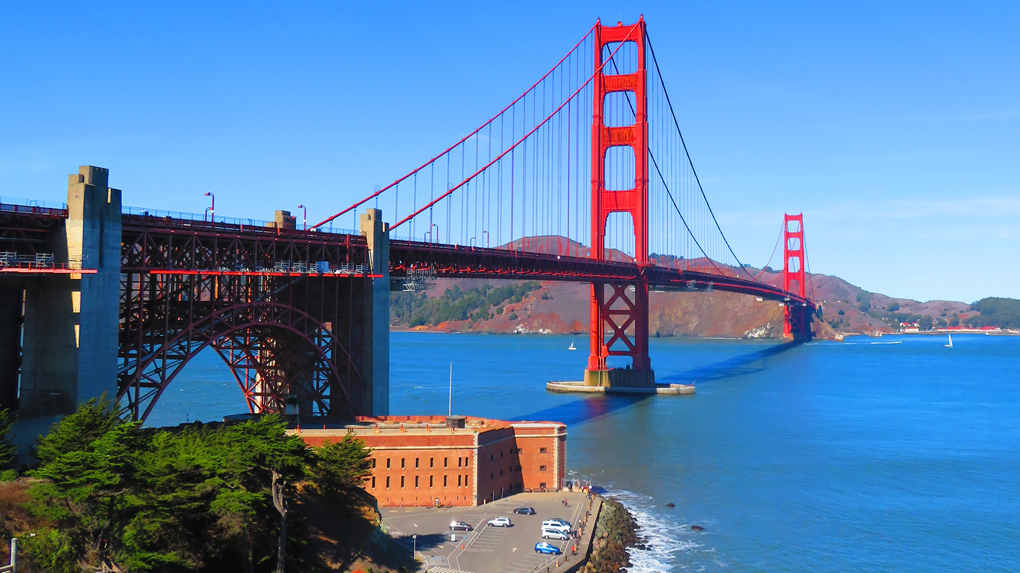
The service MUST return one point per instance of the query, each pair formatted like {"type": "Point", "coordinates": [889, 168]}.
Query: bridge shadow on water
{"type": "Point", "coordinates": [742, 365]}
{"type": "Point", "coordinates": [594, 406]}
{"type": "Point", "coordinates": [588, 407]}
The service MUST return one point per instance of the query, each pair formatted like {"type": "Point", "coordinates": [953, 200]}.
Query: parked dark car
{"type": "Point", "coordinates": [525, 510]}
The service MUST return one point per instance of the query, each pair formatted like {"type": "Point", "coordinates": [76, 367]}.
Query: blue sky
{"type": "Point", "coordinates": [894, 128]}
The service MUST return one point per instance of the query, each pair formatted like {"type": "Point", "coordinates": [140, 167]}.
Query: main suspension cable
{"type": "Point", "coordinates": [688, 155]}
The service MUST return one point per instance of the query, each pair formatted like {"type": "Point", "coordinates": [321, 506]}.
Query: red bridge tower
{"type": "Point", "coordinates": [623, 307]}
{"type": "Point", "coordinates": [798, 324]}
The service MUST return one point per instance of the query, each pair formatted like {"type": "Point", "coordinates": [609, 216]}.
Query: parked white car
{"type": "Point", "coordinates": [554, 534]}
{"type": "Point", "coordinates": [556, 526]}
{"type": "Point", "coordinates": [500, 522]}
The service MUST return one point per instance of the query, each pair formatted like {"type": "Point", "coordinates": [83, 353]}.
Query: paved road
{"type": "Point", "coordinates": [487, 549]}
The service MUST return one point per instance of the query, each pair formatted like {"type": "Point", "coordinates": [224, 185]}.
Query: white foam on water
{"type": "Point", "coordinates": [665, 539]}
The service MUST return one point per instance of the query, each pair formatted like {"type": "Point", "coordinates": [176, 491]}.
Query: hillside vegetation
{"type": "Point", "coordinates": [1001, 312]}
{"type": "Point", "coordinates": [479, 305]}
{"type": "Point", "coordinates": [244, 497]}
{"type": "Point", "coordinates": [455, 304]}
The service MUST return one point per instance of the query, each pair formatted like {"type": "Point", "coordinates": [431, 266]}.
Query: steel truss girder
{"type": "Point", "coordinates": [279, 334]}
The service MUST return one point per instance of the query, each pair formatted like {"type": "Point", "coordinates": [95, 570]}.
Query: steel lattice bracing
{"type": "Point", "coordinates": [620, 307]}
{"type": "Point", "coordinates": [187, 286]}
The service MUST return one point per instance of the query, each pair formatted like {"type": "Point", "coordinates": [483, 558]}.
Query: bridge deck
{"type": "Point", "coordinates": [455, 261]}
{"type": "Point", "coordinates": [277, 245]}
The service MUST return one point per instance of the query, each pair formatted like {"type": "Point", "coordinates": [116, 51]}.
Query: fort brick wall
{"type": "Point", "coordinates": [421, 461]}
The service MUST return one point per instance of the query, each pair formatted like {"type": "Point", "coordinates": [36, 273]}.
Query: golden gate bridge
{"type": "Point", "coordinates": [583, 177]}
{"type": "Point", "coordinates": [588, 165]}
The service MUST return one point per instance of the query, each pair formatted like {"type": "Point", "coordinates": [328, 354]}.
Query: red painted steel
{"type": "Point", "coordinates": [499, 157]}
{"type": "Point", "coordinates": [462, 140]}
{"type": "Point", "coordinates": [793, 274]}
{"type": "Point", "coordinates": [191, 285]}
{"type": "Point", "coordinates": [620, 311]}
{"type": "Point", "coordinates": [43, 271]}
{"type": "Point", "coordinates": [456, 261]}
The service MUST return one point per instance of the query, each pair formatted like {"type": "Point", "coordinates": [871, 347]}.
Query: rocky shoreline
{"type": "Point", "coordinates": [615, 531]}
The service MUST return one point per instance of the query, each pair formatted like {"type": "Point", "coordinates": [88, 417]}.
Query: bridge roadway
{"type": "Point", "coordinates": [456, 261]}
{"type": "Point", "coordinates": [448, 261]}
{"type": "Point", "coordinates": [252, 290]}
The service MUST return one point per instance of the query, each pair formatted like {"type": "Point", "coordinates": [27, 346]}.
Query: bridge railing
{"type": "Point", "coordinates": [218, 221]}
{"type": "Point", "coordinates": [18, 205]}
{"type": "Point", "coordinates": [15, 260]}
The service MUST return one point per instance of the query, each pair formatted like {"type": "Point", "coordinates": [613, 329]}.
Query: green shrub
{"type": "Point", "coordinates": [8, 451]}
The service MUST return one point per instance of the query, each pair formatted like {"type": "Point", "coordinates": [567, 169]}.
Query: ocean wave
{"type": "Point", "coordinates": [664, 538]}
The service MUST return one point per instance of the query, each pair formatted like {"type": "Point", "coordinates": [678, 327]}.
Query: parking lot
{"type": "Point", "coordinates": [488, 549]}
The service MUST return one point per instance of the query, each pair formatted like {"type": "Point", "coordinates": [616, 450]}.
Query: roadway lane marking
{"type": "Point", "coordinates": [550, 560]}
{"type": "Point", "coordinates": [468, 540]}
{"type": "Point", "coordinates": [488, 539]}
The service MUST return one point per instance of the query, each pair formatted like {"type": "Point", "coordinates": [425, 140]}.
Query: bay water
{"type": "Point", "coordinates": [889, 454]}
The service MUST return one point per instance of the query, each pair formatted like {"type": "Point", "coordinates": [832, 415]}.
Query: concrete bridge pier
{"type": "Point", "coordinates": [58, 327]}
{"type": "Point", "coordinates": [376, 367]}
{"type": "Point", "coordinates": [67, 324]}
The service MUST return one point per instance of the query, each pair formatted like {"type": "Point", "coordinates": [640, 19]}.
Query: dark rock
{"type": "Point", "coordinates": [697, 528]}
{"type": "Point", "coordinates": [670, 505]}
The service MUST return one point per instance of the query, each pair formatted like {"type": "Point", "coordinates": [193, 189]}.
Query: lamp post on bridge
{"type": "Point", "coordinates": [486, 233]}
{"type": "Point", "coordinates": [212, 209]}
{"type": "Point", "coordinates": [433, 238]}
{"type": "Point", "coordinates": [304, 217]}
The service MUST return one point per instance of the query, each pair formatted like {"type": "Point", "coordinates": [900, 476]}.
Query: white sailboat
{"type": "Point", "coordinates": [571, 347]}
{"type": "Point", "coordinates": [950, 345]}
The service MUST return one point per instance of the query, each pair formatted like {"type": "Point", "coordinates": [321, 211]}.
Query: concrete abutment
{"type": "Point", "coordinates": [377, 313]}
{"type": "Point", "coordinates": [70, 321]}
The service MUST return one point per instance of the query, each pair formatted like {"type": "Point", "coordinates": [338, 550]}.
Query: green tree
{"type": "Point", "coordinates": [864, 301]}
{"type": "Point", "coordinates": [893, 306]}
{"type": "Point", "coordinates": [87, 487]}
{"type": "Point", "coordinates": [91, 487]}
{"type": "Point", "coordinates": [178, 473]}
{"type": "Point", "coordinates": [155, 500]}
{"type": "Point", "coordinates": [8, 451]}
{"type": "Point", "coordinates": [260, 466]}
{"type": "Point", "coordinates": [1001, 312]}
{"type": "Point", "coordinates": [77, 431]}
{"type": "Point", "coordinates": [925, 322]}
{"type": "Point", "coordinates": [340, 466]}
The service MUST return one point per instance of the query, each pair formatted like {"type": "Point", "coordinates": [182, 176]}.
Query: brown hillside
{"type": "Point", "coordinates": [563, 308]}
